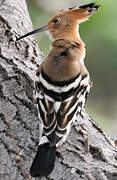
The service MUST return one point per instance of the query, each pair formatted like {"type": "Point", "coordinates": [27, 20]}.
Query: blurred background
{"type": "Point", "coordinates": [100, 37]}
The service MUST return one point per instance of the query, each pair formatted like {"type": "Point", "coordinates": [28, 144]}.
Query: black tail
{"type": "Point", "coordinates": [43, 162]}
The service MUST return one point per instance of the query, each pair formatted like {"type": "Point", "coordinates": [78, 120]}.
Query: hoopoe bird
{"type": "Point", "coordinates": [63, 84]}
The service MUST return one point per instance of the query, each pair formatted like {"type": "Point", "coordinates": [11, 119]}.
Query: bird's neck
{"type": "Point", "coordinates": [70, 34]}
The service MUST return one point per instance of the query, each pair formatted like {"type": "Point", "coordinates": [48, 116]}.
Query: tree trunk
{"type": "Point", "coordinates": [88, 153]}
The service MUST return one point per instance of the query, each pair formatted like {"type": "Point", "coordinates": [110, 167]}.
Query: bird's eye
{"type": "Point", "coordinates": [55, 21]}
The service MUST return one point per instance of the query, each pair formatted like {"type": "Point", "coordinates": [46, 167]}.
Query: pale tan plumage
{"type": "Point", "coordinates": [64, 67]}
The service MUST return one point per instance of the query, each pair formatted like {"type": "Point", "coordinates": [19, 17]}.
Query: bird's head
{"type": "Point", "coordinates": [65, 23]}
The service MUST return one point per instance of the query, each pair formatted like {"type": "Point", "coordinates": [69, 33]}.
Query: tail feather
{"type": "Point", "coordinates": [43, 162]}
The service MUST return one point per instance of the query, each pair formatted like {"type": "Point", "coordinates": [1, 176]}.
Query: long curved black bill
{"type": "Point", "coordinates": [44, 28]}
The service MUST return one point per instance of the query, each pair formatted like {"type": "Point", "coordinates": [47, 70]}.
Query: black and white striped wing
{"type": "Point", "coordinates": [46, 112]}
{"type": "Point", "coordinates": [56, 116]}
{"type": "Point", "coordinates": [65, 116]}
{"type": "Point", "coordinates": [83, 93]}
{"type": "Point", "coordinates": [68, 110]}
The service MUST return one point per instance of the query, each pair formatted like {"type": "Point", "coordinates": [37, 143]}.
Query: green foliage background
{"type": "Point", "coordinates": [100, 37]}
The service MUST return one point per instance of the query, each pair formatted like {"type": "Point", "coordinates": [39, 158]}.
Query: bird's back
{"type": "Point", "coordinates": [60, 84]}
{"type": "Point", "coordinates": [64, 60]}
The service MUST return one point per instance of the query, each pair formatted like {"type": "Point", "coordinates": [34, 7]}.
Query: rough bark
{"type": "Point", "coordinates": [88, 153]}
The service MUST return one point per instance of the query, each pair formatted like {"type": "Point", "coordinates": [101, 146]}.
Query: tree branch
{"type": "Point", "coordinates": [88, 153]}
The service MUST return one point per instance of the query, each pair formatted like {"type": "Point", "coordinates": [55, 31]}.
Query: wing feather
{"type": "Point", "coordinates": [57, 116]}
